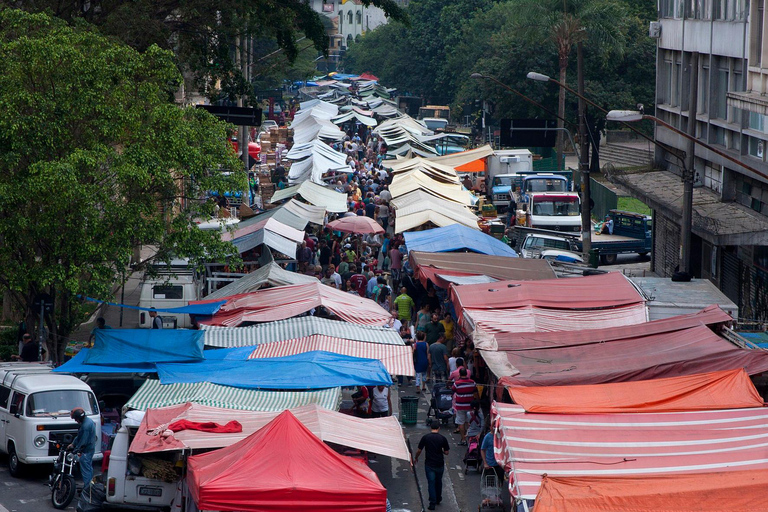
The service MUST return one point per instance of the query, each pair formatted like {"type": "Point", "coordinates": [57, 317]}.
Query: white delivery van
{"type": "Point", "coordinates": [169, 288]}
{"type": "Point", "coordinates": [126, 486]}
{"type": "Point", "coordinates": [34, 409]}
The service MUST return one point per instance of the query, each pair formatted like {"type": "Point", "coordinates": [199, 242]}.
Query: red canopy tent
{"type": "Point", "coordinates": [283, 466]}
{"type": "Point", "coordinates": [284, 302]}
{"type": "Point", "coordinates": [607, 300]}
{"type": "Point", "coordinates": [737, 490]}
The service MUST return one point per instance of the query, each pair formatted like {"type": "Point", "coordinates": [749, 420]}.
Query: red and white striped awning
{"type": "Point", "coordinates": [561, 445]}
{"type": "Point", "coordinates": [397, 359]}
{"type": "Point", "coordinates": [288, 301]}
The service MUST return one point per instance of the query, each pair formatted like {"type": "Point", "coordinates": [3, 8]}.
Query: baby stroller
{"type": "Point", "coordinates": [473, 458]}
{"type": "Point", "coordinates": [441, 404]}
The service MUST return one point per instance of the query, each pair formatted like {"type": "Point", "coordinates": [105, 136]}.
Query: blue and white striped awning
{"type": "Point", "coordinates": [294, 328]}
{"type": "Point", "coordinates": [152, 394]}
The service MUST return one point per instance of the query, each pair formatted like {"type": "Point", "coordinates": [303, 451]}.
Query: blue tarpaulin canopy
{"type": "Point", "coordinates": [456, 238]}
{"type": "Point", "coordinates": [78, 365]}
{"type": "Point", "coordinates": [207, 309]}
{"type": "Point", "coordinates": [135, 346]}
{"type": "Point", "coordinates": [311, 370]}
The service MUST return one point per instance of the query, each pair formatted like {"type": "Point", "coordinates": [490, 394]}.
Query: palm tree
{"type": "Point", "coordinates": [564, 24]}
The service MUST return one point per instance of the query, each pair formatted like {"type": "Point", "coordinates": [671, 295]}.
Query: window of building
{"type": "Point", "coordinates": [349, 17]}
{"type": "Point", "coordinates": [699, 9]}
{"type": "Point", "coordinates": [718, 135]}
{"type": "Point", "coordinates": [757, 205]}
{"type": "Point", "coordinates": [730, 10]}
{"type": "Point", "coordinates": [760, 257]}
{"type": "Point", "coordinates": [756, 147]}
{"type": "Point", "coordinates": [756, 40]}
{"type": "Point", "coordinates": [713, 177]}
{"type": "Point", "coordinates": [703, 92]}
{"type": "Point", "coordinates": [746, 188]}
{"type": "Point", "coordinates": [359, 17]}
{"type": "Point", "coordinates": [720, 106]}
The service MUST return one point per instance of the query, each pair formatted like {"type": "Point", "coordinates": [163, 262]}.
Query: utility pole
{"type": "Point", "coordinates": [243, 131]}
{"type": "Point", "coordinates": [689, 169]}
{"type": "Point", "coordinates": [586, 211]}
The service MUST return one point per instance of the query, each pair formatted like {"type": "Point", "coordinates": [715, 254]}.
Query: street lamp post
{"type": "Point", "coordinates": [586, 211]}
{"type": "Point", "coordinates": [629, 116]}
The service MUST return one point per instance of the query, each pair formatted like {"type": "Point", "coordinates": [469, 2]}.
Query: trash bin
{"type": "Point", "coordinates": [594, 258]}
{"type": "Point", "coordinates": [409, 408]}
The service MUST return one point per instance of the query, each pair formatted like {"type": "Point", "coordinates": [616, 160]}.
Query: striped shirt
{"type": "Point", "coordinates": [464, 393]}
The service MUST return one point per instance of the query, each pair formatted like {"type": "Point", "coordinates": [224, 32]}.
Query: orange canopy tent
{"type": "Point", "coordinates": [728, 389]}
{"type": "Point", "coordinates": [736, 490]}
{"type": "Point", "coordinates": [283, 467]}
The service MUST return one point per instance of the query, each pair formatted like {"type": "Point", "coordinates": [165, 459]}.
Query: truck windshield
{"type": "Point", "coordinates": [502, 181]}
{"type": "Point", "coordinates": [556, 207]}
{"type": "Point", "coordinates": [61, 402]}
{"type": "Point", "coordinates": [545, 185]}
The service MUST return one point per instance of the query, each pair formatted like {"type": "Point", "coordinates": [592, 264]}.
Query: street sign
{"type": "Point", "coordinates": [240, 116]}
{"type": "Point", "coordinates": [43, 301]}
{"type": "Point", "coordinates": [528, 133]}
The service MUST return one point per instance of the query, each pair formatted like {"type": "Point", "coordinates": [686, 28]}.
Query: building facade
{"type": "Point", "coordinates": [350, 19]}
{"type": "Point", "coordinates": [730, 207]}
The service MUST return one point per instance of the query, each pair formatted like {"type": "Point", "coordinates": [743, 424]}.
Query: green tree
{"type": "Point", "coordinates": [95, 160]}
{"type": "Point", "coordinates": [563, 24]}
{"type": "Point", "coordinates": [204, 34]}
{"type": "Point", "coordinates": [413, 58]}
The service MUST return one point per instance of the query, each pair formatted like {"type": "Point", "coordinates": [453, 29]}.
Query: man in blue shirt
{"type": "Point", "coordinates": [489, 459]}
{"type": "Point", "coordinates": [84, 443]}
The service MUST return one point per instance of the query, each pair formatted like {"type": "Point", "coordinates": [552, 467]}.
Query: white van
{"type": "Point", "coordinates": [34, 409]}
{"type": "Point", "coordinates": [170, 288]}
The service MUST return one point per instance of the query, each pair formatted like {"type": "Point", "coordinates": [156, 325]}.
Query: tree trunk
{"type": "Point", "coordinates": [560, 142]}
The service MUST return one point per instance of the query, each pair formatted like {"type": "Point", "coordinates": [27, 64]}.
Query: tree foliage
{"type": "Point", "coordinates": [202, 33]}
{"type": "Point", "coordinates": [95, 160]}
{"type": "Point", "coordinates": [503, 40]}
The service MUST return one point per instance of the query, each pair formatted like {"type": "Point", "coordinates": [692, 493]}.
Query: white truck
{"type": "Point", "coordinates": [506, 169]}
{"type": "Point", "coordinates": [557, 211]}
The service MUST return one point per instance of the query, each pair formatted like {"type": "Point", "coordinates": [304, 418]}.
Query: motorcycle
{"type": "Point", "coordinates": [62, 478]}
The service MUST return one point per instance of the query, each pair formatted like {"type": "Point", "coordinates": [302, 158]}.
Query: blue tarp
{"type": "Point", "coordinates": [311, 370]}
{"type": "Point", "coordinates": [207, 309]}
{"type": "Point", "coordinates": [77, 363]}
{"type": "Point", "coordinates": [118, 347]}
{"type": "Point", "coordinates": [456, 238]}
{"type": "Point", "coordinates": [758, 338]}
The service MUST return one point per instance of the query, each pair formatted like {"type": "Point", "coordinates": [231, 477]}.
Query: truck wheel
{"type": "Point", "coordinates": [15, 467]}
{"type": "Point", "coordinates": [610, 259]}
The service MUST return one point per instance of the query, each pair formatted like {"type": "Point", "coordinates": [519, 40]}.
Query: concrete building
{"type": "Point", "coordinates": [350, 19]}
{"type": "Point", "coordinates": [730, 207]}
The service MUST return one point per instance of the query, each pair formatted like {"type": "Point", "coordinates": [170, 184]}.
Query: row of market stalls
{"type": "Point", "coordinates": [597, 408]}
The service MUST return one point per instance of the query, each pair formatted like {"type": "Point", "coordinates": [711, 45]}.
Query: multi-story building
{"type": "Point", "coordinates": [730, 206]}
{"type": "Point", "coordinates": [350, 19]}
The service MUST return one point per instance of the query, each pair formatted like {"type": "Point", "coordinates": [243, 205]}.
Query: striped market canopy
{"type": "Point", "coordinates": [294, 328]}
{"type": "Point", "coordinates": [397, 359]}
{"type": "Point", "coordinates": [152, 394]}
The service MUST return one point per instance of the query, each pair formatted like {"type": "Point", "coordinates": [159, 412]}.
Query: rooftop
{"type": "Point", "coordinates": [720, 223]}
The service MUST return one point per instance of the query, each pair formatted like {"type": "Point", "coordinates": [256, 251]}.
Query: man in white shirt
{"type": "Point", "coordinates": [336, 277]}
